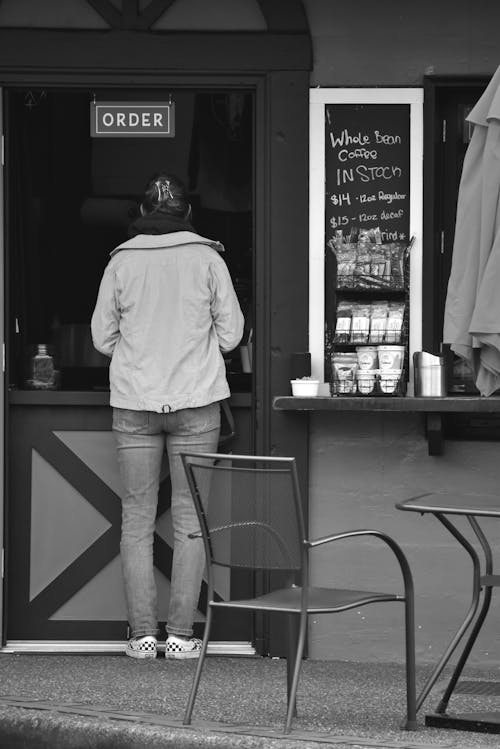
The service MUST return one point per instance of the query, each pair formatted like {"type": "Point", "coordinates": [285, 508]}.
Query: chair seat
{"type": "Point", "coordinates": [321, 600]}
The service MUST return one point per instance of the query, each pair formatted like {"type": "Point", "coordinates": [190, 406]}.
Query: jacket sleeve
{"type": "Point", "coordinates": [106, 316]}
{"type": "Point", "coordinates": [226, 312]}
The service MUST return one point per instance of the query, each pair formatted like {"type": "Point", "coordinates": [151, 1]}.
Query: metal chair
{"type": "Point", "coordinates": [250, 514]}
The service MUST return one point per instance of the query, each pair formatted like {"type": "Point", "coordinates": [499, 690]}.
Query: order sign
{"type": "Point", "coordinates": [115, 119]}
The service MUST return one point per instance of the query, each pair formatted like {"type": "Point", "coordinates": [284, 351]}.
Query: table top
{"type": "Point", "coordinates": [453, 504]}
{"type": "Point", "coordinates": [409, 404]}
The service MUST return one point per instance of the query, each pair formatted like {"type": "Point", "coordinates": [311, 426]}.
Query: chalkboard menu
{"type": "Point", "coordinates": [367, 169]}
{"type": "Point", "coordinates": [367, 224]}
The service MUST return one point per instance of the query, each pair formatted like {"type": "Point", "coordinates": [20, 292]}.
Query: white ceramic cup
{"type": "Point", "coordinates": [305, 387]}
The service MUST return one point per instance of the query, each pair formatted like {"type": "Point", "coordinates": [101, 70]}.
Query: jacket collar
{"type": "Point", "coordinates": [162, 241]}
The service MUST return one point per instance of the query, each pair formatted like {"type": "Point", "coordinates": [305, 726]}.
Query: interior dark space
{"type": "Point", "coordinates": [71, 198]}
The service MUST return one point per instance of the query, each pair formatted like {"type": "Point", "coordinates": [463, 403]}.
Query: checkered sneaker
{"type": "Point", "coordinates": [176, 647]}
{"type": "Point", "coordinates": [141, 647]}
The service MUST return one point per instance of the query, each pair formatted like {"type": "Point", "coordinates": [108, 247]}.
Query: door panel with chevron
{"type": "Point", "coordinates": [64, 573]}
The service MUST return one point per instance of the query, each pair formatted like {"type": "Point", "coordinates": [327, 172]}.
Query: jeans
{"type": "Point", "coordinates": [141, 438]}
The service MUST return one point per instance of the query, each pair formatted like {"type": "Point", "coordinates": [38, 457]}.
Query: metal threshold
{"type": "Point", "coordinates": [102, 647]}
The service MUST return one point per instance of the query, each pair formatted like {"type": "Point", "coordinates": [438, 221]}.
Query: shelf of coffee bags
{"type": "Point", "coordinates": [352, 345]}
{"type": "Point", "coordinates": [371, 288]}
{"type": "Point", "coordinates": [366, 382]}
{"type": "Point", "coordinates": [372, 321]}
{"type": "Point", "coordinates": [346, 366]}
{"type": "Point", "coordinates": [368, 263]}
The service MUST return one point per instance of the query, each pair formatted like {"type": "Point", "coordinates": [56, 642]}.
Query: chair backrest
{"type": "Point", "coordinates": [249, 510]}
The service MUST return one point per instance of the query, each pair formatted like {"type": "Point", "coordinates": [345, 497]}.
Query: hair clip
{"type": "Point", "coordinates": [169, 191]}
{"type": "Point", "coordinates": [164, 190]}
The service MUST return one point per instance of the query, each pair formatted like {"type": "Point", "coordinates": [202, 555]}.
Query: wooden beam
{"type": "Point", "coordinates": [130, 14]}
{"type": "Point", "coordinates": [107, 11]}
{"type": "Point", "coordinates": [28, 54]}
{"type": "Point", "coordinates": [153, 12]}
{"type": "Point", "coordinates": [284, 15]}
{"type": "Point", "coordinates": [280, 15]}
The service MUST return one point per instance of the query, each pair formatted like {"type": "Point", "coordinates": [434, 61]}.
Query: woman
{"type": "Point", "coordinates": [165, 311]}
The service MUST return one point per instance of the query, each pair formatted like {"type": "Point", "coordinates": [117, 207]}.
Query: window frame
{"type": "Point", "coordinates": [318, 99]}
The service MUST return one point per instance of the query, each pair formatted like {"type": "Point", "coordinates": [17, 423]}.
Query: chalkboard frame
{"type": "Point", "coordinates": [318, 100]}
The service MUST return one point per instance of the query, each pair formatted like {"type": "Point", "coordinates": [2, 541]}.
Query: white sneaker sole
{"type": "Point", "coordinates": [182, 656]}
{"type": "Point", "coordinates": [139, 655]}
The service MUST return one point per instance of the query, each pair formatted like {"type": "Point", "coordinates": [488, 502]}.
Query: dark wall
{"type": "Point", "coordinates": [355, 42]}
{"type": "Point", "coordinates": [394, 43]}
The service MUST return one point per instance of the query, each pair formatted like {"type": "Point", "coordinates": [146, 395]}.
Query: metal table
{"type": "Point", "coordinates": [443, 507]}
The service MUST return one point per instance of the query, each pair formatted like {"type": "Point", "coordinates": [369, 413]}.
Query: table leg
{"type": "Point", "coordinates": [476, 591]}
{"type": "Point", "coordinates": [443, 704]}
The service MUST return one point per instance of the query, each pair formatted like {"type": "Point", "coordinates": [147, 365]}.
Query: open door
{"type": "Point", "coordinates": [71, 199]}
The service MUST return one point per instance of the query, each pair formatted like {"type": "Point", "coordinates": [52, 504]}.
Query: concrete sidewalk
{"type": "Point", "coordinates": [106, 702]}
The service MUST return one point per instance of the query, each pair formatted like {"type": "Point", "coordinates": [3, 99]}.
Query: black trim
{"type": "Point", "coordinates": [276, 66]}
{"type": "Point", "coordinates": [28, 52]}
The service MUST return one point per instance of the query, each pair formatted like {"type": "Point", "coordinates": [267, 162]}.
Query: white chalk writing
{"type": "Point", "coordinates": [341, 199]}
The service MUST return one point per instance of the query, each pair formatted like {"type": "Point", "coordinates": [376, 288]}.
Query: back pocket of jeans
{"type": "Point", "coordinates": [132, 422]}
{"type": "Point", "coordinates": [199, 420]}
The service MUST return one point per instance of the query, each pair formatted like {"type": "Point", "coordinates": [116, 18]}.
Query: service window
{"type": "Point", "coordinates": [77, 162]}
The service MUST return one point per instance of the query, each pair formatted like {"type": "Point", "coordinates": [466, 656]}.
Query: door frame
{"type": "Point", "coordinates": [2, 379]}
{"type": "Point", "coordinates": [434, 139]}
{"type": "Point", "coordinates": [280, 81]}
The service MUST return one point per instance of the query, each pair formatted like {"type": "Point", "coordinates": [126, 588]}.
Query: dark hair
{"type": "Point", "coordinates": [166, 193]}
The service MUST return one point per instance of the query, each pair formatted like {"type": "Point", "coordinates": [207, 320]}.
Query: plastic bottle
{"type": "Point", "coordinates": [43, 372]}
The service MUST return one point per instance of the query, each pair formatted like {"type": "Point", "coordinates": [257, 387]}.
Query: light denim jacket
{"type": "Point", "coordinates": [165, 311]}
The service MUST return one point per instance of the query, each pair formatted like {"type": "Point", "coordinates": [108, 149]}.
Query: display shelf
{"type": "Point", "coordinates": [433, 409]}
{"type": "Point", "coordinates": [88, 398]}
{"type": "Point", "coordinates": [339, 340]}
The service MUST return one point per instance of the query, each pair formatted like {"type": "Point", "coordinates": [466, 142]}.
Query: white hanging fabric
{"type": "Point", "coordinates": [472, 310]}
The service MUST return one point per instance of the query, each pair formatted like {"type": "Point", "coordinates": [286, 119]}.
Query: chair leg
{"type": "Point", "coordinates": [292, 639]}
{"type": "Point", "coordinates": [292, 698]}
{"type": "Point", "coordinates": [199, 668]}
{"type": "Point", "coordinates": [411, 697]}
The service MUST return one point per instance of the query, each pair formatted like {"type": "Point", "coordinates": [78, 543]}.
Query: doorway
{"type": "Point", "coordinates": [70, 199]}
{"type": "Point", "coordinates": [448, 101]}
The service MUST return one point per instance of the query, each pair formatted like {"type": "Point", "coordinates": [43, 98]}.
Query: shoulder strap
{"type": "Point", "coordinates": [227, 428]}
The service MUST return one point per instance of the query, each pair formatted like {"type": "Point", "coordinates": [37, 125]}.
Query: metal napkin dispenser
{"type": "Point", "coordinates": [430, 375]}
